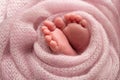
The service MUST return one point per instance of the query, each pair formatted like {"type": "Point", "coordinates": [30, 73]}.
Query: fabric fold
{"type": "Point", "coordinates": [24, 54]}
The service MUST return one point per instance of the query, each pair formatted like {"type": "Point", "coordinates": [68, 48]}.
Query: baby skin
{"type": "Point", "coordinates": [67, 35]}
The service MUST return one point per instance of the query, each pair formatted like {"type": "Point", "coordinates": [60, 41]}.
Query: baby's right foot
{"type": "Point", "coordinates": [76, 30]}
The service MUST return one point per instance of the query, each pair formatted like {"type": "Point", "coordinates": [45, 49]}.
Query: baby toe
{"type": "Point", "coordinates": [59, 23]}
{"type": "Point", "coordinates": [53, 45]}
{"type": "Point", "coordinates": [78, 18]}
{"type": "Point", "coordinates": [83, 23]}
{"type": "Point", "coordinates": [73, 18]}
{"type": "Point", "coordinates": [45, 30]}
{"type": "Point", "coordinates": [51, 26]}
{"type": "Point", "coordinates": [48, 38]}
{"type": "Point", "coordinates": [68, 18]}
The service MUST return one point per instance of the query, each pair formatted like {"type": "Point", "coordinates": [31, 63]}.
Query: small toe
{"type": "Point", "coordinates": [45, 30]}
{"type": "Point", "coordinates": [51, 26]}
{"type": "Point", "coordinates": [72, 18]}
{"type": "Point", "coordinates": [67, 18]}
{"type": "Point", "coordinates": [78, 18]}
{"type": "Point", "coordinates": [53, 45]}
{"type": "Point", "coordinates": [83, 23]}
{"type": "Point", "coordinates": [48, 38]}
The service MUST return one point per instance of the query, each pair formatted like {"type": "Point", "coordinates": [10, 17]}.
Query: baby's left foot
{"type": "Point", "coordinates": [56, 39]}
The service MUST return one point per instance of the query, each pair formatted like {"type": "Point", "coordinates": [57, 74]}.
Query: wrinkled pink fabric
{"type": "Point", "coordinates": [25, 56]}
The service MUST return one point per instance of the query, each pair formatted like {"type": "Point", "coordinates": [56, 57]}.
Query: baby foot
{"type": "Point", "coordinates": [76, 30]}
{"type": "Point", "coordinates": [56, 39]}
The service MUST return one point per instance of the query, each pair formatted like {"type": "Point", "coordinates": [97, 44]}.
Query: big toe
{"type": "Point", "coordinates": [59, 23]}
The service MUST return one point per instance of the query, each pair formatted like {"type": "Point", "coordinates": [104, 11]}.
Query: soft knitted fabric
{"type": "Point", "coordinates": [24, 54]}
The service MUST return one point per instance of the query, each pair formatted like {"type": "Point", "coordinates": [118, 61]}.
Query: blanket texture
{"type": "Point", "coordinates": [24, 54]}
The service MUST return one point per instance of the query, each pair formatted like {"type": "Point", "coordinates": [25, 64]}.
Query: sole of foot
{"type": "Point", "coordinates": [75, 29]}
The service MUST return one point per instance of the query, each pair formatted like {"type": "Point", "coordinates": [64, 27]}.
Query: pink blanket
{"type": "Point", "coordinates": [25, 56]}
